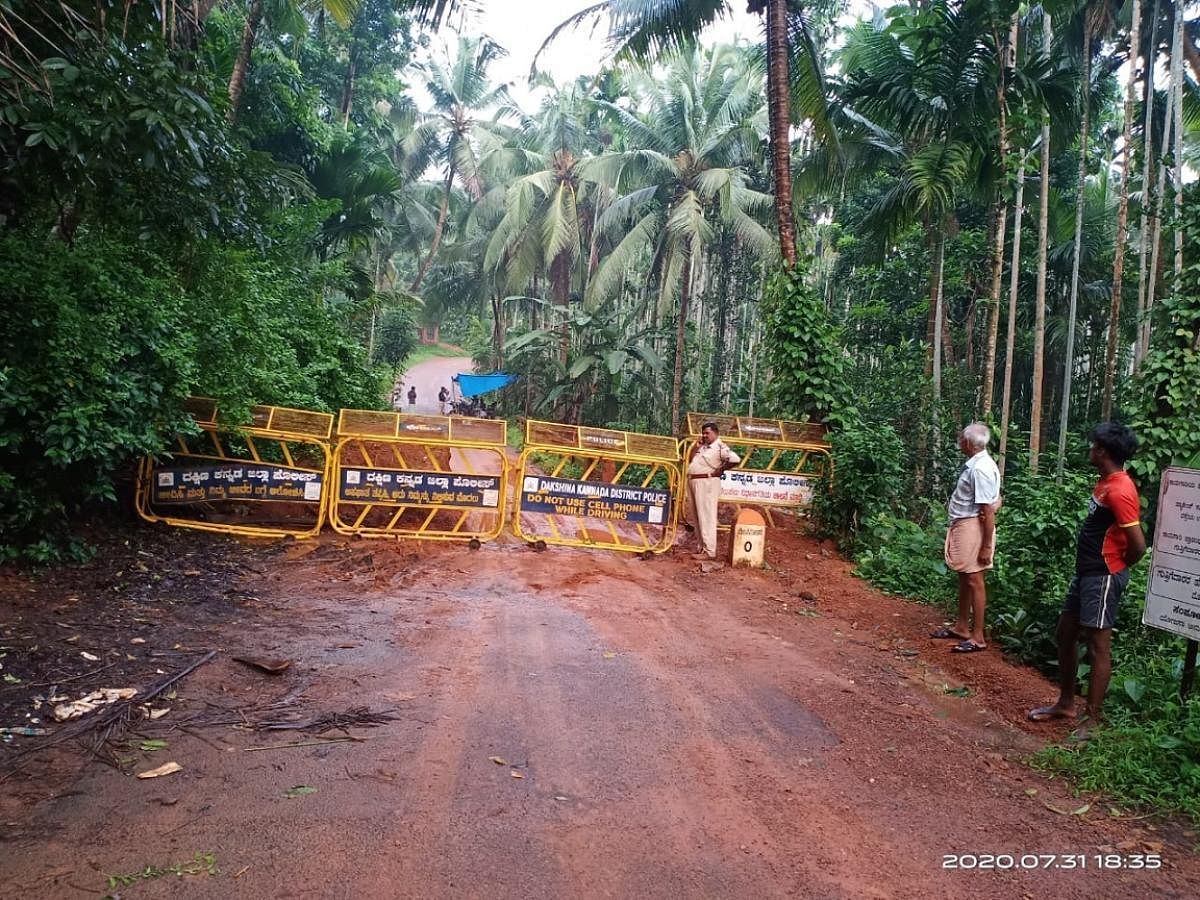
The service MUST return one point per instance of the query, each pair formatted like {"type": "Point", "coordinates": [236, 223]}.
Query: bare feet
{"type": "Point", "coordinates": [1046, 713]}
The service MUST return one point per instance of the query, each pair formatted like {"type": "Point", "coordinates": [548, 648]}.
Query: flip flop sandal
{"type": "Point", "coordinates": [946, 633]}
{"type": "Point", "coordinates": [968, 647]}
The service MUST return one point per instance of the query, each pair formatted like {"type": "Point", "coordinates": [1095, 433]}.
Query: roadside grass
{"type": "Point", "coordinates": [516, 435]}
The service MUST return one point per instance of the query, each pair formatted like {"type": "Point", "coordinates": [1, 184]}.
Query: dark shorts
{"type": "Point", "coordinates": [1095, 598]}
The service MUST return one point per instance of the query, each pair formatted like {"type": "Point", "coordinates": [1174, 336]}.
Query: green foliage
{"type": "Point", "coordinates": [1166, 415]}
{"type": "Point", "coordinates": [806, 360]}
{"type": "Point", "coordinates": [397, 338]}
{"type": "Point", "coordinates": [1148, 751]}
{"type": "Point", "coordinates": [96, 359]}
{"type": "Point", "coordinates": [265, 334]}
{"type": "Point", "coordinates": [870, 466]}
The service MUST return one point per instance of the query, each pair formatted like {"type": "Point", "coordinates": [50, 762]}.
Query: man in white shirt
{"type": "Point", "coordinates": [971, 538]}
{"type": "Point", "coordinates": [709, 460]}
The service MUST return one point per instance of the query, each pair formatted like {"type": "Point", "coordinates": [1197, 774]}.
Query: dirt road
{"type": "Point", "coordinates": [570, 723]}
{"type": "Point", "coordinates": [428, 377]}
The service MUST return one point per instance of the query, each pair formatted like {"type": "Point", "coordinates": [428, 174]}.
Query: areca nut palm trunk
{"type": "Point", "coordinates": [938, 319]}
{"type": "Point", "coordinates": [1156, 240]}
{"type": "Point", "coordinates": [1147, 199]}
{"type": "Point", "coordinates": [1080, 202]}
{"type": "Point", "coordinates": [779, 114]}
{"type": "Point", "coordinates": [1114, 313]}
{"type": "Point", "coordinates": [1010, 339]}
{"type": "Point", "coordinates": [1039, 326]}
{"type": "Point", "coordinates": [1176, 83]}
{"type": "Point", "coordinates": [1007, 53]}
{"type": "Point", "coordinates": [237, 80]}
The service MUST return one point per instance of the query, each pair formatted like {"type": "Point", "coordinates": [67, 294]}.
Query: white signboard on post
{"type": "Point", "coordinates": [767, 488]}
{"type": "Point", "coordinates": [1173, 592]}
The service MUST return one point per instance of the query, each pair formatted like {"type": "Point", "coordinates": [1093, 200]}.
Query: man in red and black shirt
{"type": "Point", "coordinates": [1110, 542]}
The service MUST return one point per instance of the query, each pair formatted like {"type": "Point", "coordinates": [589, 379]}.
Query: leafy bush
{"type": "Point", "coordinates": [96, 360]}
{"type": "Point", "coordinates": [870, 466]}
{"type": "Point", "coordinates": [265, 334]}
{"type": "Point", "coordinates": [1148, 751]}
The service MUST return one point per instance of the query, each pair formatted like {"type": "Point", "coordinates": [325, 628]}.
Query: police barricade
{"type": "Point", "coordinates": [596, 487]}
{"type": "Point", "coordinates": [431, 477]}
{"type": "Point", "coordinates": [781, 462]}
{"type": "Point", "coordinates": [264, 479]}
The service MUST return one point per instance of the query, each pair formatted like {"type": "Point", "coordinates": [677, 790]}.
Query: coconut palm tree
{"type": "Point", "coordinates": [682, 179]}
{"type": "Point", "coordinates": [457, 133]}
{"type": "Point", "coordinates": [549, 208]}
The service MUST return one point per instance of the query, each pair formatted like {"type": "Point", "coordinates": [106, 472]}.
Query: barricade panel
{"type": "Point", "coordinates": [597, 487]}
{"type": "Point", "coordinates": [781, 464]}
{"type": "Point", "coordinates": [429, 477]}
{"type": "Point", "coordinates": [257, 481]}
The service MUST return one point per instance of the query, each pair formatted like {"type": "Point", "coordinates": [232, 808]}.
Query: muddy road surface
{"type": "Point", "coordinates": [565, 724]}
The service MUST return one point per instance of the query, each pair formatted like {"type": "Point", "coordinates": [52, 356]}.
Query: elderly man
{"type": "Point", "coordinates": [971, 538]}
{"type": "Point", "coordinates": [709, 460]}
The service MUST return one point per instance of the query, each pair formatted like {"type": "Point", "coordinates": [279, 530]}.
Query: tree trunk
{"type": "Point", "coordinates": [348, 85]}
{"type": "Point", "coordinates": [560, 288]}
{"type": "Point", "coordinates": [778, 86]}
{"type": "Point", "coordinates": [993, 318]}
{"type": "Point", "coordinates": [1114, 314]}
{"type": "Point", "coordinates": [1176, 83]}
{"type": "Point", "coordinates": [1010, 340]}
{"type": "Point", "coordinates": [237, 81]}
{"type": "Point", "coordinates": [1147, 198]}
{"type": "Point", "coordinates": [1007, 53]}
{"type": "Point", "coordinates": [1069, 359]}
{"type": "Point", "coordinates": [1154, 272]}
{"type": "Point", "coordinates": [938, 316]}
{"type": "Point", "coordinates": [1039, 327]}
{"type": "Point", "coordinates": [498, 331]}
{"type": "Point", "coordinates": [437, 233]}
{"type": "Point", "coordinates": [685, 293]}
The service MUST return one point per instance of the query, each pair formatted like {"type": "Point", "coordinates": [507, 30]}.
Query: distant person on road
{"type": "Point", "coordinates": [1110, 542]}
{"type": "Point", "coordinates": [709, 460]}
{"type": "Point", "coordinates": [971, 537]}
{"type": "Point", "coordinates": [412, 396]}
{"type": "Point", "coordinates": [443, 396]}
{"type": "Point", "coordinates": [397, 394]}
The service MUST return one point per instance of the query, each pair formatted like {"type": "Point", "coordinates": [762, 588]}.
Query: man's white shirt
{"type": "Point", "coordinates": [978, 485]}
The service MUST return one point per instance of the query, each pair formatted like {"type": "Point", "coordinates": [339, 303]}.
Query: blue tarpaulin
{"type": "Point", "coordinates": [474, 385]}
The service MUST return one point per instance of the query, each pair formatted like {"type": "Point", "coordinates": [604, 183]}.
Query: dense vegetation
{"type": "Point", "coordinates": [946, 211]}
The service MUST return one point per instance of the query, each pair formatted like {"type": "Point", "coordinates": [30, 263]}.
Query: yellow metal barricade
{"type": "Point", "coordinates": [595, 487]}
{"type": "Point", "coordinates": [265, 479]}
{"type": "Point", "coordinates": [781, 464]}
{"type": "Point", "coordinates": [431, 477]}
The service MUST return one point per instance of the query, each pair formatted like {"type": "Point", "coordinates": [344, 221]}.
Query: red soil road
{"type": "Point", "coordinates": [679, 733]}
{"type": "Point", "coordinates": [429, 377]}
